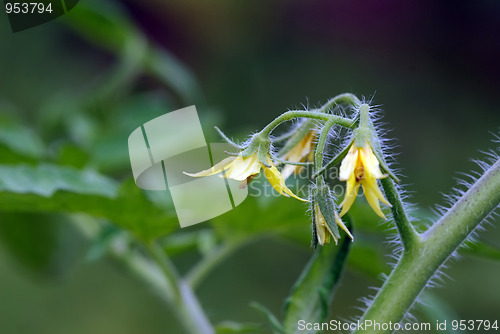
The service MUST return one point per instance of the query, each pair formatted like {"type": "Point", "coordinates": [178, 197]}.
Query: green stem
{"type": "Point", "coordinates": [409, 237]}
{"type": "Point", "coordinates": [319, 113]}
{"type": "Point", "coordinates": [181, 296]}
{"type": "Point", "coordinates": [320, 147]}
{"type": "Point", "coordinates": [346, 98]}
{"type": "Point", "coordinates": [289, 115]}
{"type": "Point", "coordinates": [421, 262]}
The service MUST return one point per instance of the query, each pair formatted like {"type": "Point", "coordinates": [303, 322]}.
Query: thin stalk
{"type": "Point", "coordinates": [317, 113]}
{"type": "Point", "coordinates": [347, 98]}
{"type": "Point", "coordinates": [182, 298]}
{"type": "Point", "coordinates": [409, 237]}
{"type": "Point", "coordinates": [320, 147]}
{"type": "Point", "coordinates": [418, 265]}
{"type": "Point", "coordinates": [289, 115]}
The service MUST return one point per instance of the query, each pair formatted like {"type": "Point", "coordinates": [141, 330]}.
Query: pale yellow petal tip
{"type": "Point", "coordinates": [289, 192]}
{"type": "Point", "coordinates": [301, 199]}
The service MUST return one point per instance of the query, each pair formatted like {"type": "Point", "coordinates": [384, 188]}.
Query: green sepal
{"type": "Point", "coordinates": [314, 241]}
{"type": "Point", "coordinates": [307, 163]}
{"type": "Point", "coordinates": [366, 133]}
{"type": "Point", "coordinates": [377, 150]}
{"type": "Point", "coordinates": [226, 138]}
{"type": "Point", "coordinates": [327, 205]}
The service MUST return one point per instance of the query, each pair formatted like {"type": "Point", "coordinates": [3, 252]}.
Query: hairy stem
{"type": "Point", "coordinates": [347, 98]}
{"type": "Point", "coordinates": [318, 154]}
{"type": "Point", "coordinates": [421, 262]}
{"type": "Point", "coordinates": [317, 113]}
{"type": "Point", "coordinates": [292, 114]}
{"type": "Point", "coordinates": [409, 237]}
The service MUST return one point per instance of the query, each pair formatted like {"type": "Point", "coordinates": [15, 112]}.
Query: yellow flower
{"type": "Point", "coordinates": [241, 168]}
{"type": "Point", "coordinates": [360, 167]}
{"type": "Point", "coordinates": [301, 152]}
{"type": "Point", "coordinates": [323, 232]}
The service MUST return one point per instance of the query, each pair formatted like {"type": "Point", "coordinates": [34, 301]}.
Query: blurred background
{"type": "Point", "coordinates": [81, 83]}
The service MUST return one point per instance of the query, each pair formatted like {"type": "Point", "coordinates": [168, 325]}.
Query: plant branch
{"type": "Point", "coordinates": [320, 147]}
{"type": "Point", "coordinates": [347, 98]}
{"type": "Point", "coordinates": [181, 297]}
{"type": "Point", "coordinates": [319, 113]}
{"type": "Point", "coordinates": [289, 115]}
{"type": "Point", "coordinates": [417, 267]}
{"type": "Point", "coordinates": [409, 237]}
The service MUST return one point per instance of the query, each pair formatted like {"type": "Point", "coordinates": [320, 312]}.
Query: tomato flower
{"type": "Point", "coordinates": [243, 168]}
{"type": "Point", "coordinates": [360, 167]}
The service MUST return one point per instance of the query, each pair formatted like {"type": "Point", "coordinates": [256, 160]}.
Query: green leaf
{"type": "Point", "coordinates": [266, 214]}
{"type": "Point", "coordinates": [107, 25]}
{"type": "Point", "coordinates": [482, 249]}
{"type": "Point", "coordinates": [19, 139]}
{"type": "Point", "coordinates": [367, 256]}
{"type": "Point", "coordinates": [45, 244]}
{"type": "Point", "coordinates": [45, 180]}
{"type": "Point", "coordinates": [311, 294]}
{"type": "Point", "coordinates": [49, 188]}
{"type": "Point", "coordinates": [435, 309]}
{"type": "Point", "coordinates": [203, 240]}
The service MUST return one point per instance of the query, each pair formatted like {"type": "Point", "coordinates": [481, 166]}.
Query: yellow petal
{"type": "Point", "coordinates": [370, 162]}
{"type": "Point", "coordinates": [371, 183]}
{"type": "Point", "coordinates": [348, 164]}
{"type": "Point", "coordinates": [372, 199]}
{"type": "Point", "coordinates": [278, 182]}
{"type": "Point", "coordinates": [323, 232]}
{"type": "Point", "coordinates": [217, 168]}
{"type": "Point", "coordinates": [244, 167]}
{"type": "Point", "coordinates": [350, 194]}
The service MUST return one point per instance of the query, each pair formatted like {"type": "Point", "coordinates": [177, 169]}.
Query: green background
{"type": "Point", "coordinates": [432, 67]}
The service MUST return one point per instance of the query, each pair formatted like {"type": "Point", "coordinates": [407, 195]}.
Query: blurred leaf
{"type": "Point", "coordinates": [50, 188]}
{"type": "Point", "coordinates": [100, 244]}
{"type": "Point", "coordinates": [72, 156]}
{"type": "Point", "coordinates": [266, 214]}
{"type": "Point", "coordinates": [311, 294]}
{"type": "Point", "coordinates": [19, 139]}
{"type": "Point", "coordinates": [45, 180]}
{"type": "Point", "coordinates": [482, 249]}
{"type": "Point", "coordinates": [46, 244]}
{"type": "Point", "coordinates": [173, 74]}
{"type": "Point", "coordinates": [367, 256]}
{"type": "Point", "coordinates": [276, 326]}
{"type": "Point", "coordinates": [234, 327]}
{"type": "Point", "coordinates": [107, 25]}
{"type": "Point", "coordinates": [178, 243]}
{"type": "Point", "coordinates": [435, 309]}
{"type": "Point", "coordinates": [110, 150]}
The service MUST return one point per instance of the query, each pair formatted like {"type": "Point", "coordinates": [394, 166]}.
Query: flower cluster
{"type": "Point", "coordinates": [360, 166]}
